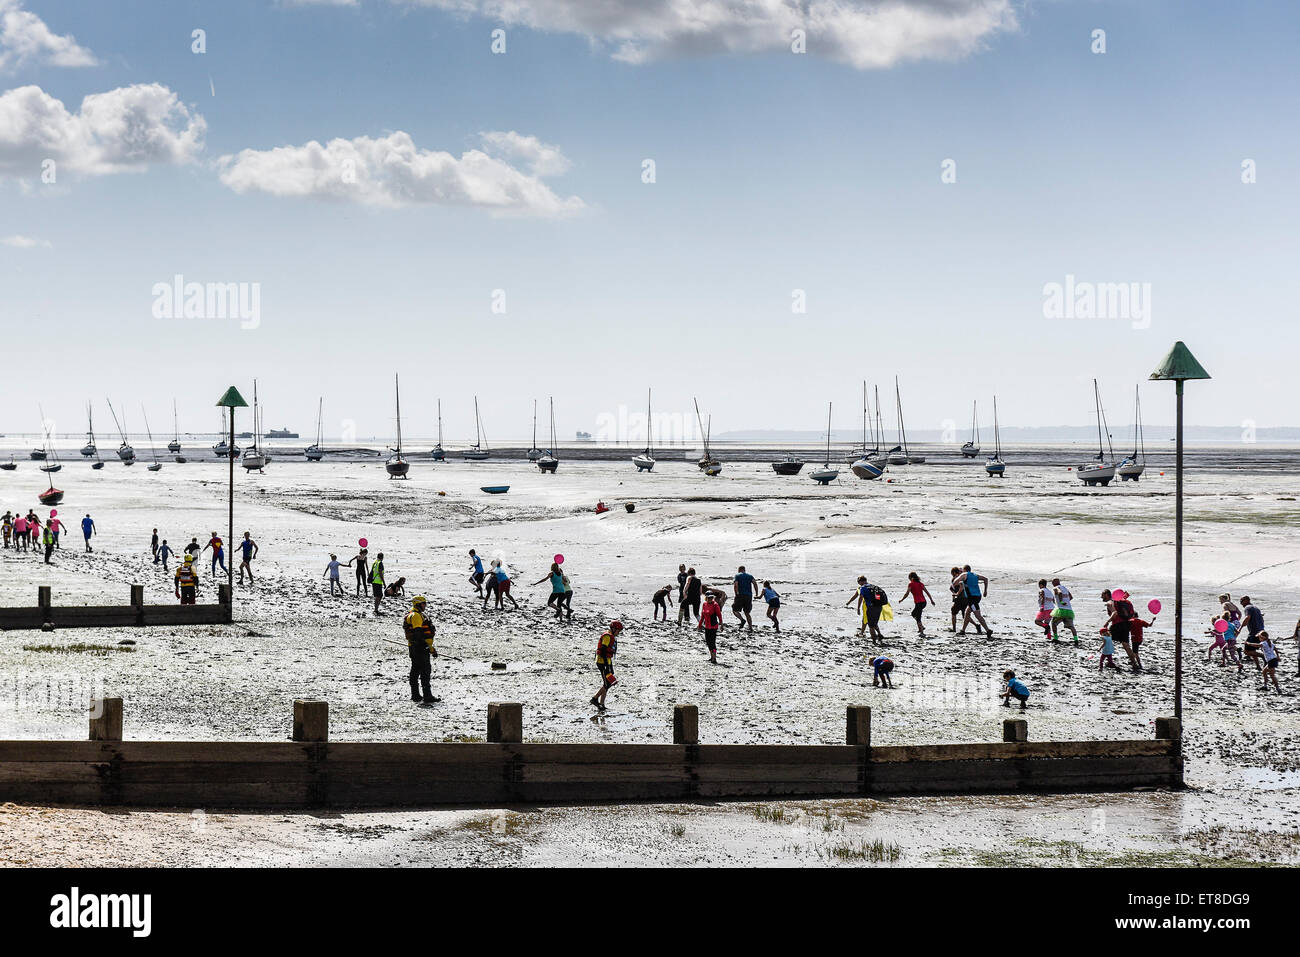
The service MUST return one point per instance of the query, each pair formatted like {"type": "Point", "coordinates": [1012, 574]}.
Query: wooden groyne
{"type": "Point", "coordinates": [137, 613]}
{"type": "Point", "coordinates": [310, 771]}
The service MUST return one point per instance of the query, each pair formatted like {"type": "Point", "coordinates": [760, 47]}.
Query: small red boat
{"type": "Point", "coordinates": [51, 496]}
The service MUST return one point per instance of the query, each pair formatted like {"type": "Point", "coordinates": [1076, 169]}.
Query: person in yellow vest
{"type": "Point", "coordinates": [606, 649]}
{"type": "Point", "coordinates": [48, 540]}
{"type": "Point", "coordinates": [186, 581]}
{"type": "Point", "coordinates": [377, 581]}
{"type": "Point", "coordinates": [419, 645]}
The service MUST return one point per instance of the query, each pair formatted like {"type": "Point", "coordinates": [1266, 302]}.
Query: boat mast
{"type": "Point", "coordinates": [149, 432]}
{"type": "Point", "coordinates": [397, 392]}
{"type": "Point", "coordinates": [534, 425]}
{"type": "Point", "coordinates": [320, 410]}
{"type": "Point", "coordinates": [703, 432]}
{"type": "Point", "coordinates": [902, 430]}
{"type": "Point", "coordinates": [440, 423]}
{"type": "Point", "coordinates": [997, 431]}
{"type": "Point", "coordinates": [478, 427]}
{"type": "Point", "coordinates": [648, 435]}
{"type": "Point", "coordinates": [552, 448]}
{"type": "Point", "coordinates": [1101, 449]}
{"type": "Point", "coordinates": [975, 420]}
{"type": "Point", "coordinates": [828, 434]}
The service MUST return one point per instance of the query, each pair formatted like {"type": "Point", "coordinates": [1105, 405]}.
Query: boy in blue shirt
{"type": "Point", "coordinates": [882, 666]}
{"type": "Point", "coordinates": [1014, 688]}
{"type": "Point", "coordinates": [88, 529]}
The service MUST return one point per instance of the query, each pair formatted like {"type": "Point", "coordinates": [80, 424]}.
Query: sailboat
{"type": "Point", "coordinates": [156, 466]}
{"type": "Point", "coordinates": [971, 449]}
{"type": "Point", "coordinates": [254, 458]}
{"type": "Point", "coordinates": [314, 452]}
{"type": "Point", "coordinates": [397, 466]}
{"type": "Point", "coordinates": [477, 453]}
{"type": "Point", "coordinates": [8, 466]}
{"type": "Point", "coordinates": [51, 496]}
{"type": "Point", "coordinates": [1133, 465]}
{"type": "Point", "coordinates": [867, 464]}
{"type": "Point", "coordinates": [1098, 472]}
{"type": "Point", "coordinates": [707, 463]}
{"type": "Point", "coordinates": [825, 475]}
{"type": "Point", "coordinates": [535, 453]}
{"type": "Point", "coordinates": [89, 448]}
{"type": "Point", "coordinates": [995, 465]}
{"type": "Point", "coordinates": [124, 451]}
{"type": "Point", "coordinates": [547, 461]}
{"type": "Point", "coordinates": [37, 455]}
{"type": "Point", "coordinates": [174, 445]}
{"type": "Point", "coordinates": [47, 449]}
{"type": "Point", "coordinates": [222, 449]}
{"type": "Point", "coordinates": [907, 458]}
{"type": "Point", "coordinates": [645, 462]}
{"type": "Point", "coordinates": [438, 455]}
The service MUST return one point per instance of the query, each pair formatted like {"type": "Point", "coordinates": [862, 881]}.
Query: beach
{"type": "Point", "coordinates": [290, 639]}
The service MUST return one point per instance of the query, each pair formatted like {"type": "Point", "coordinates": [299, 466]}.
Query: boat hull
{"type": "Point", "coordinates": [475, 455]}
{"type": "Point", "coordinates": [1096, 474]}
{"type": "Point", "coordinates": [644, 463]}
{"type": "Point", "coordinates": [1131, 471]}
{"type": "Point", "coordinates": [866, 469]}
{"type": "Point", "coordinates": [824, 476]}
{"type": "Point", "coordinates": [970, 451]}
{"type": "Point", "coordinates": [996, 468]}
{"type": "Point", "coordinates": [548, 464]}
{"type": "Point", "coordinates": [397, 468]}
{"type": "Point", "coordinates": [51, 496]}
{"type": "Point", "coordinates": [87, 450]}
{"type": "Point", "coordinates": [787, 468]}
{"type": "Point", "coordinates": [495, 489]}
{"type": "Point", "coordinates": [38, 455]}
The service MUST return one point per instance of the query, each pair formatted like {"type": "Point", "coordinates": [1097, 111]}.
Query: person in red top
{"type": "Point", "coordinates": [920, 598]}
{"type": "Point", "coordinates": [710, 621]}
{"type": "Point", "coordinates": [218, 552]}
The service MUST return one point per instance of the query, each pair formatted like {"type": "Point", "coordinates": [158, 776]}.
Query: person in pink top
{"type": "Point", "coordinates": [20, 532]}
{"type": "Point", "coordinates": [920, 596]}
{"type": "Point", "coordinates": [56, 526]}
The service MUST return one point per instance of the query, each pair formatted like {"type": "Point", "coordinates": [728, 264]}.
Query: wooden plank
{"type": "Point", "coordinates": [774, 754]}
{"type": "Point", "coordinates": [1031, 749]}
{"type": "Point", "coordinates": [56, 751]}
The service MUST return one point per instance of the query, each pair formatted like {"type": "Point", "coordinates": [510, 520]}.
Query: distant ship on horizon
{"type": "Point", "coordinates": [281, 434]}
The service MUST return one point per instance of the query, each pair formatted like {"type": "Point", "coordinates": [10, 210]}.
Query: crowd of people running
{"type": "Point", "coordinates": [28, 534]}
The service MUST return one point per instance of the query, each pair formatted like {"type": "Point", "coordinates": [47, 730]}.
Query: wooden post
{"type": "Point", "coordinates": [1169, 729]}
{"type": "Point", "coordinates": [311, 719]}
{"type": "Point", "coordinates": [223, 595]}
{"type": "Point", "coordinates": [505, 722]}
{"type": "Point", "coordinates": [137, 596]}
{"type": "Point", "coordinates": [857, 729]}
{"type": "Point", "coordinates": [1015, 730]}
{"type": "Point", "coordinates": [106, 719]}
{"type": "Point", "coordinates": [686, 724]}
{"type": "Point", "coordinates": [43, 602]}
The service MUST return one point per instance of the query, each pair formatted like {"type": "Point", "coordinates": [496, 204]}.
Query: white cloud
{"type": "Point", "coordinates": [123, 130]}
{"type": "Point", "coordinates": [392, 171]}
{"type": "Point", "coordinates": [24, 38]}
{"type": "Point", "coordinates": [866, 34]}
{"type": "Point", "coordinates": [25, 242]}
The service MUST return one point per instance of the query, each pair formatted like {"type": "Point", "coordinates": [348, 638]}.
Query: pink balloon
{"type": "Point", "coordinates": [54, 512]}
{"type": "Point", "coordinates": [362, 542]}
{"type": "Point", "coordinates": [1220, 626]}
{"type": "Point", "coordinates": [1119, 594]}
{"type": "Point", "coordinates": [1154, 606]}
{"type": "Point", "coordinates": [559, 559]}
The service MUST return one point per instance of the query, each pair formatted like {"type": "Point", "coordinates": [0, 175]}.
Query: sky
{"type": "Point", "coordinates": [396, 197]}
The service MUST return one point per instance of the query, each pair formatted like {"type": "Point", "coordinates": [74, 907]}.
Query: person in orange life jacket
{"type": "Point", "coordinates": [420, 632]}
{"type": "Point", "coordinates": [186, 581]}
{"type": "Point", "coordinates": [606, 649]}
{"type": "Point", "coordinates": [710, 621]}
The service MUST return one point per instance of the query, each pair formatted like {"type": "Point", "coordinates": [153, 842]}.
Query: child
{"type": "Point", "coordinates": [1270, 660]}
{"type": "Point", "coordinates": [710, 621]}
{"type": "Point", "coordinates": [661, 601]}
{"type": "Point", "coordinates": [332, 570]}
{"type": "Point", "coordinates": [1046, 605]}
{"type": "Point", "coordinates": [920, 596]}
{"type": "Point", "coordinates": [774, 606]}
{"type": "Point", "coordinates": [882, 667]}
{"type": "Point", "coordinates": [606, 649]}
{"type": "Point", "coordinates": [1107, 650]}
{"type": "Point", "coordinates": [396, 590]}
{"type": "Point", "coordinates": [1014, 688]}
{"type": "Point", "coordinates": [1221, 638]}
{"type": "Point", "coordinates": [1136, 627]}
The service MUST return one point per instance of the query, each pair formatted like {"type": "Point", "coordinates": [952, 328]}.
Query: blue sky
{"type": "Point", "coordinates": [774, 172]}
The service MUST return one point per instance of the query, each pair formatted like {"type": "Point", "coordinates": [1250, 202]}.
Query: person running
{"type": "Point", "coordinates": [1271, 659]}
{"type": "Point", "coordinates": [194, 548]}
{"type": "Point", "coordinates": [882, 667]}
{"type": "Point", "coordinates": [1046, 605]}
{"type": "Point", "coordinates": [742, 589]}
{"type": "Point", "coordinates": [556, 598]}
{"type": "Point", "coordinates": [8, 524]}
{"type": "Point", "coordinates": [681, 583]}
{"type": "Point", "coordinates": [1064, 613]}
{"type": "Point", "coordinates": [186, 581]}
{"type": "Point", "coordinates": [332, 570]}
{"type": "Point", "coordinates": [377, 581]}
{"type": "Point", "coordinates": [957, 588]}
{"type": "Point", "coordinates": [499, 584]}
{"type": "Point", "coordinates": [691, 596]}
{"type": "Point", "coordinates": [1251, 617]}
{"type": "Point", "coordinates": [709, 623]}
{"type": "Point", "coordinates": [20, 533]}
{"type": "Point", "coordinates": [606, 649]}
{"type": "Point", "coordinates": [1107, 659]}
{"type": "Point", "coordinates": [661, 601]}
{"type": "Point", "coordinates": [974, 595]}
{"type": "Point", "coordinates": [920, 596]}
{"type": "Point", "coordinates": [164, 552]}
{"type": "Point", "coordinates": [1121, 614]}
{"type": "Point", "coordinates": [773, 606]}
{"type": "Point", "coordinates": [1230, 607]}
{"type": "Point", "coordinates": [88, 529]}
{"type": "Point", "coordinates": [153, 545]}
{"type": "Point", "coordinates": [476, 575]}
{"type": "Point", "coordinates": [248, 551]}
{"type": "Point", "coordinates": [361, 561]}
{"type": "Point", "coordinates": [1014, 688]}
{"type": "Point", "coordinates": [420, 631]}
{"type": "Point", "coordinates": [218, 553]}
